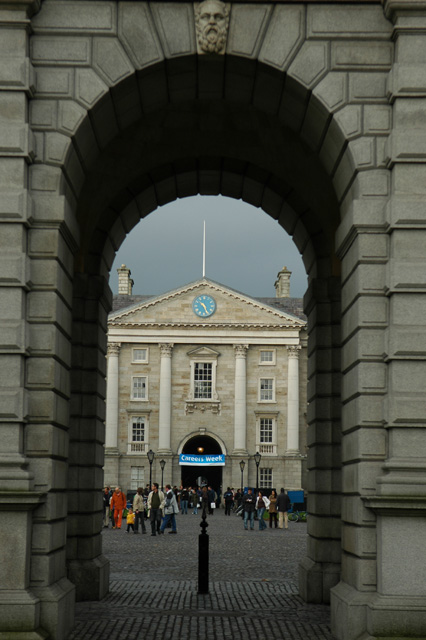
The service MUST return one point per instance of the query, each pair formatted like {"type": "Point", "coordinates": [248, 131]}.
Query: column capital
{"type": "Point", "coordinates": [166, 349]}
{"type": "Point", "coordinates": [241, 350]}
{"type": "Point", "coordinates": [113, 348]}
{"type": "Point", "coordinates": [293, 351]}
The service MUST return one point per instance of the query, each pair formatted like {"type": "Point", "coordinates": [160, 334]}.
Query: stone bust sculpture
{"type": "Point", "coordinates": [211, 23]}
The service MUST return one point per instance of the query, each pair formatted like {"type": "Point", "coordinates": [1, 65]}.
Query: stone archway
{"type": "Point", "coordinates": [126, 114]}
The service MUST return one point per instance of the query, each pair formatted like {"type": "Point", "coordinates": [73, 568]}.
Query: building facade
{"type": "Point", "coordinates": [206, 370]}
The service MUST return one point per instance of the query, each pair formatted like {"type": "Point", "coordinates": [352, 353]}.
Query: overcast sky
{"type": "Point", "coordinates": [245, 248]}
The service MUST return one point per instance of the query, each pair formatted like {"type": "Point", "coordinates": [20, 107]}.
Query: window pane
{"type": "Point", "coordinates": [139, 387]}
{"type": "Point", "coordinates": [266, 388]}
{"type": "Point", "coordinates": [139, 354]}
{"type": "Point", "coordinates": [266, 430]}
{"type": "Point", "coordinates": [266, 478]}
{"type": "Point", "coordinates": [138, 430]}
{"type": "Point", "coordinates": [203, 380]}
{"type": "Point", "coordinates": [137, 477]}
{"type": "Point", "coordinates": [266, 356]}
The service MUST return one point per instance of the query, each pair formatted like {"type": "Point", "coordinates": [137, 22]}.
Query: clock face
{"type": "Point", "coordinates": [204, 306]}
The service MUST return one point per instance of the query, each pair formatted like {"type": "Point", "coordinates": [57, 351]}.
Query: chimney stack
{"type": "Point", "coordinates": [282, 283]}
{"type": "Point", "coordinates": [125, 283]}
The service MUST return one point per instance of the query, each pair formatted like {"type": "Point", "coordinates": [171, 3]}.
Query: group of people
{"type": "Point", "coordinates": [162, 507]}
{"type": "Point", "coordinates": [276, 505]}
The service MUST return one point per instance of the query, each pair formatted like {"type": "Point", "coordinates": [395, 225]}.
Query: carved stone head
{"type": "Point", "coordinates": [211, 23]}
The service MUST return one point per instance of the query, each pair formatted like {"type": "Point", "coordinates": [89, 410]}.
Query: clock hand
{"type": "Point", "coordinates": [203, 305]}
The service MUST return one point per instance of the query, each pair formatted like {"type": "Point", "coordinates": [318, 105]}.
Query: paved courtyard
{"type": "Point", "coordinates": [253, 586]}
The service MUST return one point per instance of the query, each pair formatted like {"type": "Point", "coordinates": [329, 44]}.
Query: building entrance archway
{"type": "Point", "coordinates": [209, 475]}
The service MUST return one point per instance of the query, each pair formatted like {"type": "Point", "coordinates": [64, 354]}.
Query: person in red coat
{"type": "Point", "coordinates": [118, 503]}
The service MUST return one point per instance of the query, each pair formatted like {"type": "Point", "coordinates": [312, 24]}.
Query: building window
{"type": "Point", "coordinates": [266, 433]}
{"type": "Point", "coordinates": [266, 478]}
{"type": "Point", "coordinates": [203, 379]}
{"type": "Point", "coordinates": [138, 435]}
{"type": "Point", "coordinates": [266, 430]}
{"type": "Point", "coordinates": [266, 390]}
{"type": "Point", "coordinates": [139, 388]}
{"type": "Point", "coordinates": [267, 356]}
{"type": "Point", "coordinates": [202, 394]}
{"type": "Point", "coordinates": [140, 355]}
{"type": "Point", "coordinates": [137, 477]}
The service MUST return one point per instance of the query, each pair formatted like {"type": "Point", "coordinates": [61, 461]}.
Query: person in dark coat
{"type": "Point", "coordinates": [249, 505]}
{"type": "Point", "coordinates": [283, 505]}
{"type": "Point", "coordinates": [228, 496]}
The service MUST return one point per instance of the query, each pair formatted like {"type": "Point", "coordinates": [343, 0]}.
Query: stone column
{"type": "Point", "coordinates": [293, 401]}
{"type": "Point", "coordinates": [111, 422]}
{"type": "Point", "coordinates": [165, 410]}
{"type": "Point", "coordinates": [240, 400]}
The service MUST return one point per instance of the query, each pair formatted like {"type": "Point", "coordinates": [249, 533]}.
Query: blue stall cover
{"type": "Point", "coordinates": [296, 497]}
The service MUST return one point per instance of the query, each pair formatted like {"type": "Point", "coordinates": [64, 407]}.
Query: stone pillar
{"type": "Point", "coordinates": [293, 401]}
{"type": "Point", "coordinates": [165, 409]}
{"type": "Point", "coordinates": [88, 569]}
{"type": "Point", "coordinates": [383, 588]}
{"type": "Point", "coordinates": [240, 400]}
{"type": "Point", "coordinates": [36, 599]}
{"type": "Point", "coordinates": [320, 570]}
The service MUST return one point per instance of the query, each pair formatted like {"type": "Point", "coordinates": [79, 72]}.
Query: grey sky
{"type": "Point", "coordinates": [245, 248]}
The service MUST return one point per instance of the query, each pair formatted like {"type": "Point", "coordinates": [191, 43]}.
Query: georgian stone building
{"type": "Point", "coordinates": [206, 370]}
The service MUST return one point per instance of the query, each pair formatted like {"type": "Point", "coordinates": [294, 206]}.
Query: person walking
{"type": "Point", "coordinates": [155, 506]}
{"type": "Point", "coordinates": [170, 510]}
{"type": "Point", "coordinates": [249, 508]}
{"type": "Point", "coordinates": [106, 496]}
{"type": "Point", "coordinates": [194, 501]}
{"type": "Point", "coordinates": [283, 504]}
{"type": "Point", "coordinates": [228, 497]}
{"type": "Point", "coordinates": [212, 500]}
{"type": "Point", "coordinates": [184, 497]}
{"type": "Point", "coordinates": [139, 510]}
{"type": "Point", "coordinates": [273, 509]}
{"type": "Point", "coordinates": [130, 520]}
{"type": "Point", "coordinates": [118, 503]}
{"type": "Point", "coordinates": [262, 503]}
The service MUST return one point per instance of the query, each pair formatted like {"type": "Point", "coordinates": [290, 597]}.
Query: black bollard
{"type": "Point", "coordinates": [203, 556]}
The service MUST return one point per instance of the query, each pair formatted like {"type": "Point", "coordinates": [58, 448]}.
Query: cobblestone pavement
{"type": "Point", "coordinates": [253, 586]}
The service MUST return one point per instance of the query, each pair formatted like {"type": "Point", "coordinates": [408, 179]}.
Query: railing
{"type": "Point", "coordinates": [267, 449]}
{"type": "Point", "coordinates": [137, 447]}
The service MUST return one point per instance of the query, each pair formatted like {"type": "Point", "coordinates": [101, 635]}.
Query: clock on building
{"type": "Point", "coordinates": [204, 306]}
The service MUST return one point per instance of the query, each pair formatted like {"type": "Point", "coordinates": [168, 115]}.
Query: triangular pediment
{"type": "Point", "coordinates": [227, 307]}
{"type": "Point", "coordinates": [203, 352]}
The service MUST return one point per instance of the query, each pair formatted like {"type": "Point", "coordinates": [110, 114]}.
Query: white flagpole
{"type": "Point", "coordinates": [204, 250]}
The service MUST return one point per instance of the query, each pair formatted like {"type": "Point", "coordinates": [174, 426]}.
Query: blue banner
{"type": "Point", "coordinates": [215, 460]}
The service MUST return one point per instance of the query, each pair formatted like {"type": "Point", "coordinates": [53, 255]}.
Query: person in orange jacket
{"type": "Point", "coordinates": [118, 503]}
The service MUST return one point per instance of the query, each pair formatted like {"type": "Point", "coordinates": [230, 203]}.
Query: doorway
{"type": "Point", "coordinates": [211, 476]}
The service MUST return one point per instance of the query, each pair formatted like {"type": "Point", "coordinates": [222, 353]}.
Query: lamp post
{"type": "Point", "coordinates": [162, 465]}
{"type": "Point", "coordinates": [242, 465]}
{"type": "Point", "coordinates": [257, 458]}
{"type": "Point", "coordinates": [150, 456]}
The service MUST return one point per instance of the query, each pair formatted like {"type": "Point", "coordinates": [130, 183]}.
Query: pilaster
{"type": "Point", "coordinates": [165, 406]}
{"type": "Point", "coordinates": [293, 401]}
{"type": "Point", "coordinates": [240, 401]}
